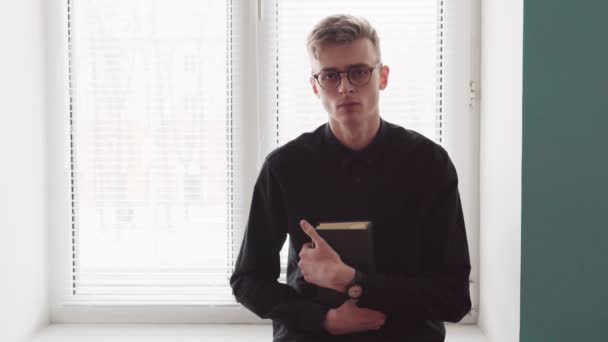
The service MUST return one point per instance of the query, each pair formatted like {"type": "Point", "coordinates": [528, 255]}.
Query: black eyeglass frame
{"type": "Point", "coordinates": [347, 72]}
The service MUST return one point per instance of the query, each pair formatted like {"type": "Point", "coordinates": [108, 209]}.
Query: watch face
{"type": "Point", "coordinates": [355, 291]}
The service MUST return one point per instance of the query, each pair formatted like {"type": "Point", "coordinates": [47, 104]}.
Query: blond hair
{"type": "Point", "coordinates": [340, 29]}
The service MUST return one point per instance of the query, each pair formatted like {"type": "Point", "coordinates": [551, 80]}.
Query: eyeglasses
{"type": "Point", "coordinates": [357, 75]}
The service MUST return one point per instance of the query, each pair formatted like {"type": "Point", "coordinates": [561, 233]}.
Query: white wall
{"type": "Point", "coordinates": [500, 163]}
{"type": "Point", "coordinates": [23, 229]}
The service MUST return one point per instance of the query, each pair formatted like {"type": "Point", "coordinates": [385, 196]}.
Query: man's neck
{"type": "Point", "coordinates": [356, 136]}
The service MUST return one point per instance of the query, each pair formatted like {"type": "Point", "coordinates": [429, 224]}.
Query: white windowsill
{"type": "Point", "coordinates": [196, 333]}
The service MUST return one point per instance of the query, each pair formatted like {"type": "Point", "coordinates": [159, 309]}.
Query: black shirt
{"type": "Point", "coordinates": [407, 186]}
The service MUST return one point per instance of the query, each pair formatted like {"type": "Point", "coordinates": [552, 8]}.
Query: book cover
{"type": "Point", "coordinates": [353, 242]}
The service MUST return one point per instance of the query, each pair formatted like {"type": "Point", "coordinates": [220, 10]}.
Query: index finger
{"type": "Point", "coordinates": [311, 232]}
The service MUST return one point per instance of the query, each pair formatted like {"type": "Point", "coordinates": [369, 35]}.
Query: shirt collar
{"type": "Point", "coordinates": [371, 152]}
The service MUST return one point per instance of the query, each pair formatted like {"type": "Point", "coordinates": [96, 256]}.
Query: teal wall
{"type": "Point", "coordinates": [564, 279]}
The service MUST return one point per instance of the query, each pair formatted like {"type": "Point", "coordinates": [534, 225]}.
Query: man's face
{"type": "Point", "coordinates": [349, 104]}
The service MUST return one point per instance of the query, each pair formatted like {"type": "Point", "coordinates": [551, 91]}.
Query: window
{"type": "Point", "coordinates": [171, 107]}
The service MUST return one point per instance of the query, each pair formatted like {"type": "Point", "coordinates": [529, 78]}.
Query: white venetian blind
{"type": "Point", "coordinates": [157, 94]}
{"type": "Point", "coordinates": [152, 173]}
{"type": "Point", "coordinates": [411, 41]}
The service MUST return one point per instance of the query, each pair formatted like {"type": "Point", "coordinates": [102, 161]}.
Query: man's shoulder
{"type": "Point", "coordinates": [410, 142]}
{"type": "Point", "coordinates": [299, 149]}
{"type": "Point", "coordinates": [421, 155]}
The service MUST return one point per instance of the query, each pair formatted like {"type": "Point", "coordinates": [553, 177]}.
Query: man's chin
{"type": "Point", "coordinates": [349, 118]}
{"type": "Point", "coordinates": [347, 115]}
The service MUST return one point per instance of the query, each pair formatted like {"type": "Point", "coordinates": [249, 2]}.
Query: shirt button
{"type": "Point", "coordinates": [358, 179]}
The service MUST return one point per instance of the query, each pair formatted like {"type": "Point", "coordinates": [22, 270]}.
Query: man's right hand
{"type": "Point", "coordinates": [349, 318]}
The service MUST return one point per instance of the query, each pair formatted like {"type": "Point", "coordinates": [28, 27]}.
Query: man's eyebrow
{"type": "Point", "coordinates": [348, 66]}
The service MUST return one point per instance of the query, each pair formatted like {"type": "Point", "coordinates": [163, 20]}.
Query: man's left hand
{"type": "Point", "coordinates": [320, 264]}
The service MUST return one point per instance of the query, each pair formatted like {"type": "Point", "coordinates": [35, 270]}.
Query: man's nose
{"type": "Point", "coordinates": [345, 85]}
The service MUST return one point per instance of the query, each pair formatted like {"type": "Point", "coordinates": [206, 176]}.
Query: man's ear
{"type": "Point", "coordinates": [313, 84]}
{"type": "Point", "coordinates": [384, 76]}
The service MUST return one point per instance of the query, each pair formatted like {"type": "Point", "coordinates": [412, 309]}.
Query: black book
{"type": "Point", "coordinates": [353, 242]}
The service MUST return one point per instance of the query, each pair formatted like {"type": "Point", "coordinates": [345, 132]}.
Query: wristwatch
{"type": "Point", "coordinates": [354, 289]}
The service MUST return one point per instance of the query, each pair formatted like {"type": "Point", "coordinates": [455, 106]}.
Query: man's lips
{"type": "Point", "coordinates": [348, 104]}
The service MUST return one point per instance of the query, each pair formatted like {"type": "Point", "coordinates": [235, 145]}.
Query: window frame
{"type": "Point", "coordinates": [463, 133]}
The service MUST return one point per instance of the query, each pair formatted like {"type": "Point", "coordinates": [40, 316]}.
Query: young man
{"type": "Point", "coordinates": [357, 167]}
